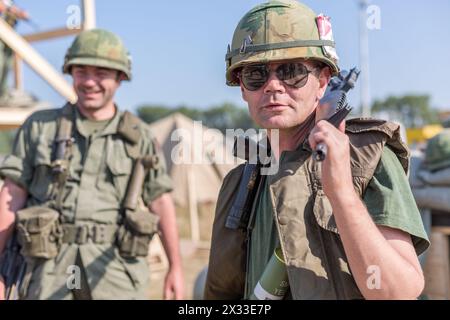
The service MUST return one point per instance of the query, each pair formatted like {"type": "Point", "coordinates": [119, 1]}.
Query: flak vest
{"type": "Point", "coordinates": [316, 262]}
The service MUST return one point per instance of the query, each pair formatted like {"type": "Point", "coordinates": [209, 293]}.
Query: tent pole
{"type": "Point", "coordinates": [89, 14]}
{"type": "Point", "coordinates": [193, 208]}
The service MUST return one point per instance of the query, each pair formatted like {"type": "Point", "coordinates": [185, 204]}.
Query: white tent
{"type": "Point", "coordinates": [197, 158]}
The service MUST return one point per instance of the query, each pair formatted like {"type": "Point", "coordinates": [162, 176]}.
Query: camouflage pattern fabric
{"type": "Point", "coordinates": [98, 48]}
{"type": "Point", "coordinates": [271, 24]}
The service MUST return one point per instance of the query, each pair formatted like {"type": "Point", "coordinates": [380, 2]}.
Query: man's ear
{"type": "Point", "coordinates": [121, 76]}
{"type": "Point", "coordinates": [244, 96]}
{"type": "Point", "coordinates": [324, 79]}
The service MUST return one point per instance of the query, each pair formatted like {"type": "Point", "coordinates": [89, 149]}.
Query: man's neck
{"type": "Point", "coordinates": [290, 139]}
{"type": "Point", "coordinates": [101, 114]}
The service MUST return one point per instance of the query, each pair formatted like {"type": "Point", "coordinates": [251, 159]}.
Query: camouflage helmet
{"type": "Point", "coordinates": [280, 30]}
{"type": "Point", "coordinates": [99, 48]}
{"type": "Point", "coordinates": [437, 153]}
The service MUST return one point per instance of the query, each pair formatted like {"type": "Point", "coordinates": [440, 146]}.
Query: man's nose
{"type": "Point", "coordinates": [273, 84]}
{"type": "Point", "coordinates": [89, 81]}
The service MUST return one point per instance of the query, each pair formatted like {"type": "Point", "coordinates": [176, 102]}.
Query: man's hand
{"type": "Point", "coordinates": [2, 289]}
{"type": "Point", "coordinates": [365, 243]}
{"type": "Point", "coordinates": [12, 199]}
{"type": "Point", "coordinates": [164, 208]}
{"type": "Point", "coordinates": [336, 171]}
{"type": "Point", "coordinates": [174, 284]}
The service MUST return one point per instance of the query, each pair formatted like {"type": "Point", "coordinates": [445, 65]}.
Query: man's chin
{"type": "Point", "coordinates": [90, 105]}
{"type": "Point", "coordinates": [276, 122]}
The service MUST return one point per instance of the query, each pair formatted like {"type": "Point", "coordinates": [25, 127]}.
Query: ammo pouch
{"type": "Point", "coordinates": [39, 232]}
{"type": "Point", "coordinates": [136, 232]}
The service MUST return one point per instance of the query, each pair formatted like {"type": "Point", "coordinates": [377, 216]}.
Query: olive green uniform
{"type": "Point", "coordinates": [92, 196]}
{"type": "Point", "coordinates": [388, 199]}
{"type": "Point", "coordinates": [294, 212]}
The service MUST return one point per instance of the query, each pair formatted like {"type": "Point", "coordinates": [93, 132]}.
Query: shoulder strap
{"type": "Point", "coordinates": [129, 130]}
{"type": "Point", "coordinates": [383, 132]}
{"type": "Point", "coordinates": [63, 152]}
{"type": "Point", "coordinates": [368, 138]}
{"type": "Point", "coordinates": [64, 133]}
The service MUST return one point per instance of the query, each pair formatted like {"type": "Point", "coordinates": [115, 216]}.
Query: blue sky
{"type": "Point", "coordinates": [178, 47]}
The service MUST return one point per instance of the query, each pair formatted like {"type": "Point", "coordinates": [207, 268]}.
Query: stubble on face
{"type": "Point", "coordinates": [95, 87]}
{"type": "Point", "coordinates": [278, 106]}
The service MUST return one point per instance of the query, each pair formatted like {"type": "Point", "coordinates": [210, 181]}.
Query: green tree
{"type": "Point", "coordinates": [227, 116]}
{"type": "Point", "coordinates": [152, 113]}
{"type": "Point", "coordinates": [222, 117]}
{"type": "Point", "coordinates": [412, 110]}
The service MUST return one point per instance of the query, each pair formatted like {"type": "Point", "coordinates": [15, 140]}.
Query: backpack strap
{"type": "Point", "coordinates": [129, 130]}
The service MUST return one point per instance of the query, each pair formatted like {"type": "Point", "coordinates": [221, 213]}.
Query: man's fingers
{"type": "Point", "coordinates": [319, 137]}
{"type": "Point", "coordinates": [325, 132]}
{"type": "Point", "coordinates": [179, 294]}
{"type": "Point", "coordinates": [2, 289]}
{"type": "Point", "coordinates": [342, 127]}
{"type": "Point", "coordinates": [168, 294]}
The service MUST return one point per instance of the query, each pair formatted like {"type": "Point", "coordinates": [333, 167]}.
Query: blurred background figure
{"type": "Point", "coordinates": [11, 14]}
{"type": "Point", "coordinates": [430, 183]}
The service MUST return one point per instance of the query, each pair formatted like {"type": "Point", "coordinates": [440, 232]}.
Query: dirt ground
{"type": "Point", "coordinates": [194, 259]}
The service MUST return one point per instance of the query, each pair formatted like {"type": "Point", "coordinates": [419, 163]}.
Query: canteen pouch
{"type": "Point", "coordinates": [39, 232]}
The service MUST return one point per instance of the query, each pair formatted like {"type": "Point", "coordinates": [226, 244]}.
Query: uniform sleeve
{"type": "Point", "coordinates": [18, 165]}
{"type": "Point", "coordinates": [158, 181]}
{"type": "Point", "coordinates": [390, 202]}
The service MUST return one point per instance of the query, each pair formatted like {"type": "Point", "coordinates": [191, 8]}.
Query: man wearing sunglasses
{"type": "Point", "coordinates": [348, 227]}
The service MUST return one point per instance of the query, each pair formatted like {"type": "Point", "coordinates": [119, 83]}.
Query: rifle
{"type": "Point", "coordinates": [251, 178]}
{"type": "Point", "coordinates": [335, 99]}
{"type": "Point", "coordinates": [12, 268]}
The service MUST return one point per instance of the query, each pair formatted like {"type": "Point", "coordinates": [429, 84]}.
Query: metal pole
{"type": "Point", "coordinates": [89, 14]}
{"type": "Point", "coordinates": [364, 59]}
{"type": "Point", "coordinates": [26, 52]}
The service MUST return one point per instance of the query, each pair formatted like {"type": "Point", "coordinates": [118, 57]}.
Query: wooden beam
{"type": "Point", "coordinates": [12, 117]}
{"type": "Point", "coordinates": [437, 267]}
{"type": "Point", "coordinates": [89, 14]}
{"type": "Point", "coordinates": [51, 34]}
{"type": "Point", "coordinates": [21, 47]}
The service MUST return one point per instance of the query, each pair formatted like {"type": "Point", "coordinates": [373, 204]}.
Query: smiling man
{"type": "Point", "coordinates": [88, 189]}
{"type": "Point", "coordinates": [348, 228]}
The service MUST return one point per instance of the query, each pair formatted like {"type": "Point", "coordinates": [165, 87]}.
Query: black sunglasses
{"type": "Point", "coordinates": [255, 76]}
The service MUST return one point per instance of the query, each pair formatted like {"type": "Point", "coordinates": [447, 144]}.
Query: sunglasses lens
{"type": "Point", "coordinates": [293, 74]}
{"type": "Point", "coordinates": [253, 77]}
